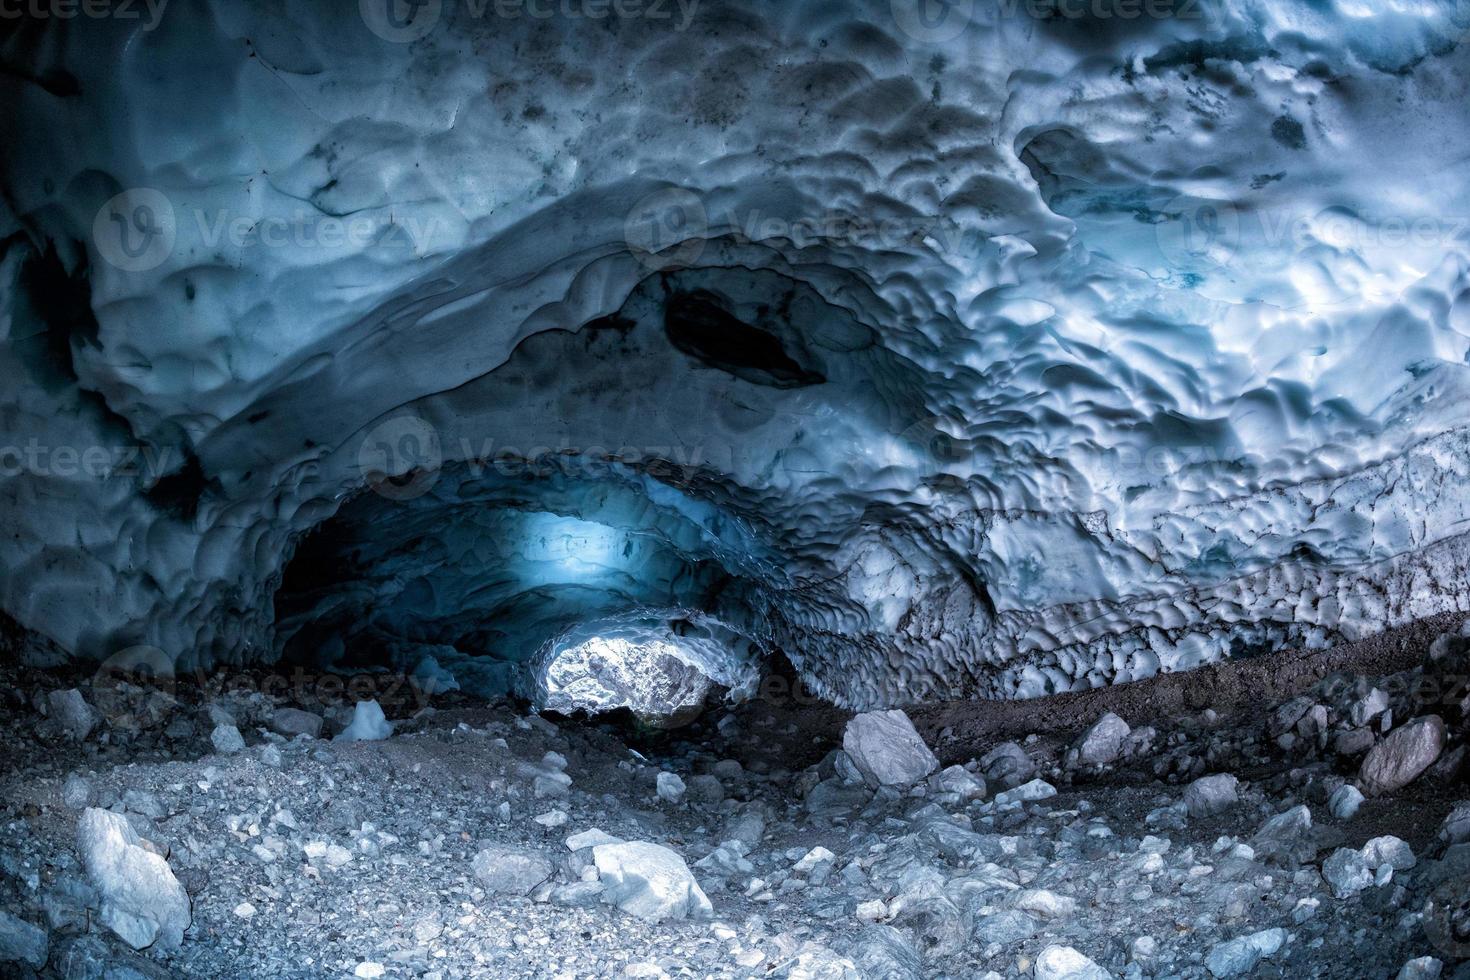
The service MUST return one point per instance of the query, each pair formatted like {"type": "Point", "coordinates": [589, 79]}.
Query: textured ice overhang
{"type": "Point", "coordinates": [988, 355]}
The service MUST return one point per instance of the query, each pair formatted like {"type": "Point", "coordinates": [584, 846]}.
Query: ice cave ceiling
{"type": "Point", "coordinates": [950, 350]}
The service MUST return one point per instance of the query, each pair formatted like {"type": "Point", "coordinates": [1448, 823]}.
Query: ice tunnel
{"type": "Point", "coordinates": [1064, 403]}
{"type": "Point", "coordinates": [1045, 356]}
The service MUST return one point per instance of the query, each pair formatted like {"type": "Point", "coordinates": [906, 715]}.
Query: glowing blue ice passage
{"type": "Point", "coordinates": [1012, 355]}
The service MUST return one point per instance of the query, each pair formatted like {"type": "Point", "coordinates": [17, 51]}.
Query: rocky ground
{"type": "Point", "coordinates": [215, 827]}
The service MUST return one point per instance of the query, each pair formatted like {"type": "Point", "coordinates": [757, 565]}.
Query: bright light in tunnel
{"type": "Point", "coordinates": [575, 545]}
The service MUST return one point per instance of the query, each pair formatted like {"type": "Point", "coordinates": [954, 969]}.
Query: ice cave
{"type": "Point", "coordinates": [819, 490]}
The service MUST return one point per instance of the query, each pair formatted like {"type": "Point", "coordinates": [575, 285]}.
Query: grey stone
{"type": "Point", "coordinates": [22, 942]}
{"type": "Point", "coordinates": [1007, 766]}
{"type": "Point", "coordinates": [1456, 826]}
{"type": "Point", "coordinates": [1344, 802]}
{"type": "Point", "coordinates": [1239, 956]}
{"type": "Point", "coordinates": [142, 901]}
{"type": "Point", "coordinates": [886, 749]}
{"type": "Point", "coordinates": [226, 739]}
{"type": "Point", "coordinates": [1388, 850]}
{"type": "Point", "coordinates": [1402, 756]}
{"type": "Point", "coordinates": [671, 788]}
{"type": "Point", "coordinates": [1210, 795]}
{"type": "Point", "coordinates": [291, 722]}
{"type": "Point", "coordinates": [77, 792]}
{"type": "Point", "coordinates": [960, 781]}
{"type": "Point", "coordinates": [72, 712]}
{"type": "Point", "coordinates": [1102, 743]}
{"type": "Point", "coordinates": [510, 870]}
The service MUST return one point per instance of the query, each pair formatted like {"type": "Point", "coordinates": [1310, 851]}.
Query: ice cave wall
{"type": "Point", "coordinates": [992, 355]}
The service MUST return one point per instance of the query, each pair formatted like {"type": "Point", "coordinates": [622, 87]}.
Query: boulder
{"type": "Point", "coordinates": [1397, 760]}
{"type": "Point", "coordinates": [291, 722]}
{"type": "Point", "coordinates": [670, 787]}
{"type": "Point", "coordinates": [1102, 743]}
{"type": "Point", "coordinates": [1344, 802]}
{"type": "Point", "coordinates": [226, 739]}
{"type": "Point", "coordinates": [504, 870]}
{"type": "Point", "coordinates": [21, 942]}
{"type": "Point", "coordinates": [649, 881]}
{"type": "Point", "coordinates": [72, 712]}
{"type": "Point", "coordinates": [960, 781]}
{"type": "Point", "coordinates": [1007, 766]}
{"type": "Point", "coordinates": [1347, 872]}
{"type": "Point", "coordinates": [886, 749]}
{"type": "Point", "coordinates": [1210, 795]}
{"type": "Point", "coordinates": [142, 901]}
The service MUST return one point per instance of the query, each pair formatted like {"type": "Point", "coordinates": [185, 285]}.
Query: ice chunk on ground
{"type": "Point", "coordinates": [368, 724]}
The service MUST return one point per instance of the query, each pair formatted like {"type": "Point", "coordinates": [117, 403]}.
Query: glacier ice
{"type": "Point", "coordinates": [1016, 356]}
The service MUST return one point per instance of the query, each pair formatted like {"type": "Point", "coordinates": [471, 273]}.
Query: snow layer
{"type": "Point", "coordinates": [993, 355]}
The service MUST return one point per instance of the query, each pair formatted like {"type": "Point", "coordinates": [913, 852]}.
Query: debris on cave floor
{"type": "Point", "coordinates": [209, 830]}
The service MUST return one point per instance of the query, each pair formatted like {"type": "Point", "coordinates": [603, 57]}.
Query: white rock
{"type": "Point", "coordinates": [649, 881]}
{"type": "Point", "coordinates": [1423, 968]}
{"type": "Point", "coordinates": [1346, 872]}
{"type": "Point", "coordinates": [1239, 956]}
{"type": "Point", "coordinates": [1047, 904]}
{"type": "Point", "coordinates": [1102, 743]}
{"type": "Point", "coordinates": [1286, 826]}
{"type": "Point", "coordinates": [369, 724]}
{"type": "Point", "coordinates": [886, 749]}
{"type": "Point", "coordinates": [552, 819]}
{"type": "Point", "coordinates": [1344, 802]}
{"type": "Point", "coordinates": [369, 970]}
{"type": "Point", "coordinates": [813, 858]}
{"type": "Point", "coordinates": [244, 911]}
{"type": "Point", "coordinates": [1368, 707]}
{"type": "Point", "coordinates": [1388, 850]}
{"type": "Point", "coordinates": [142, 901]}
{"type": "Point", "coordinates": [591, 838]}
{"type": "Point", "coordinates": [671, 788]}
{"type": "Point", "coordinates": [1037, 789]}
{"type": "Point", "coordinates": [1065, 963]}
{"type": "Point", "coordinates": [1210, 795]}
